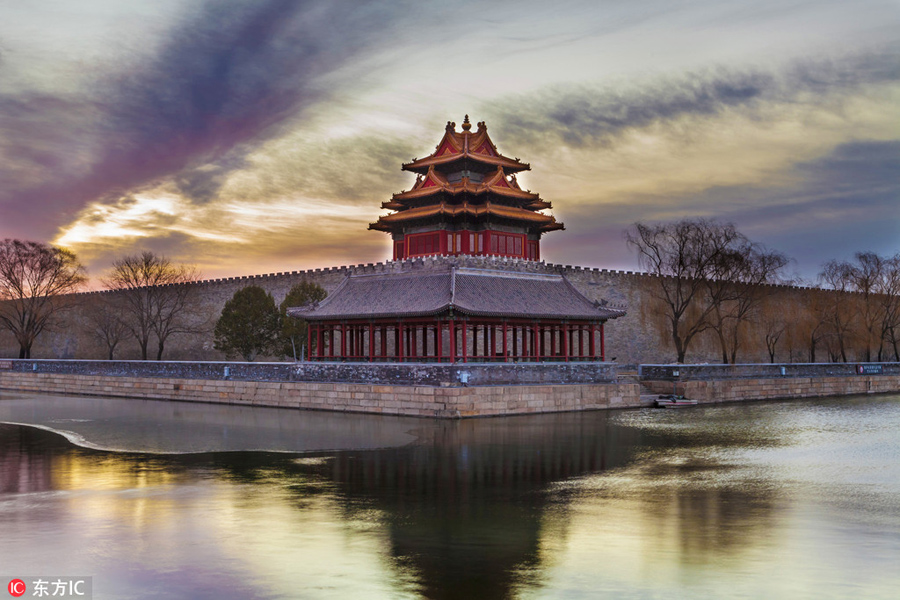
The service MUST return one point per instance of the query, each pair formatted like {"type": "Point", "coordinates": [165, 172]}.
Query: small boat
{"type": "Point", "coordinates": [673, 401]}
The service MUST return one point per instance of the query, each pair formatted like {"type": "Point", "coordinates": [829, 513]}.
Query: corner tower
{"type": "Point", "coordinates": [466, 201]}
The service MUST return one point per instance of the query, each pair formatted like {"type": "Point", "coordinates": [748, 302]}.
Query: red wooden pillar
{"type": "Point", "coordinates": [474, 341]}
{"type": "Point", "coordinates": [452, 341]}
{"type": "Point", "coordinates": [384, 342]}
{"type": "Point", "coordinates": [505, 356]}
{"type": "Point", "coordinates": [465, 342]}
{"type": "Point", "coordinates": [534, 342]}
{"type": "Point", "coordinates": [400, 341]}
{"type": "Point", "coordinates": [371, 341]}
{"type": "Point", "coordinates": [438, 330]}
{"type": "Point", "coordinates": [331, 341]}
{"type": "Point", "coordinates": [515, 338]}
{"type": "Point", "coordinates": [591, 345]}
{"type": "Point", "coordinates": [565, 341]}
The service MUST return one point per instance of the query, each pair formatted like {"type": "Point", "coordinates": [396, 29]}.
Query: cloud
{"type": "Point", "coordinates": [841, 203]}
{"type": "Point", "coordinates": [223, 80]}
{"type": "Point", "coordinates": [591, 116]}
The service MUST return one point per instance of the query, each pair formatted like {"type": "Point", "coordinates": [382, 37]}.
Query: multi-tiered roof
{"type": "Point", "coordinates": [466, 200]}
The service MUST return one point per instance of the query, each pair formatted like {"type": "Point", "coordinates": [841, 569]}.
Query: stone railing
{"type": "Point", "coordinates": [440, 374]}
{"type": "Point", "coordinates": [675, 372]}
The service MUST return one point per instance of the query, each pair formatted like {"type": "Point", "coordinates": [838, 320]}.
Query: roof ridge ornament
{"type": "Point", "coordinates": [466, 124]}
{"type": "Point", "coordinates": [451, 126]}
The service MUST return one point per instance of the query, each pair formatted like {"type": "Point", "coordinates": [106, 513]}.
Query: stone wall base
{"type": "Point", "coordinates": [419, 401]}
{"type": "Point", "coordinates": [733, 390]}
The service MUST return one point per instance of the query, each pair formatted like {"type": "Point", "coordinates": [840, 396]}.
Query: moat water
{"type": "Point", "coordinates": [795, 499]}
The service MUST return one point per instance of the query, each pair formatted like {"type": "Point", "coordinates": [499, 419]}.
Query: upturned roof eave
{"type": "Point", "coordinates": [421, 165]}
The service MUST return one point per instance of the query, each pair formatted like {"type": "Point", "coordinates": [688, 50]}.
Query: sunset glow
{"type": "Point", "coordinates": [252, 137]}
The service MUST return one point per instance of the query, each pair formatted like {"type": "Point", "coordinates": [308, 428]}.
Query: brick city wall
{"type": "Point", "coordinates": [630, 340]}
{"type": "Point", "coordinates": [419, 401]}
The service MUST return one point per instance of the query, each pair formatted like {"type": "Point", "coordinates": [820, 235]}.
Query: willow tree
{"type": "Point", "coordinates": [34, 277]}
{"type": "Point", "coordinates": [739, 280]}
{"type": "Point", "coordinates": [684, 256]}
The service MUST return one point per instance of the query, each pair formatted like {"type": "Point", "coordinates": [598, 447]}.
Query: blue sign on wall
{"type": "Point", "coordinates": [870, 369]}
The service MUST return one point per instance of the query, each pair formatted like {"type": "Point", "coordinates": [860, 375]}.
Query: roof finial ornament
{"type": "Point", "coordinates": [482, 126]}
{"type": "Point", "coordinates": [466, 125]}
{"type": "Point", "coordinates": [451, 126]}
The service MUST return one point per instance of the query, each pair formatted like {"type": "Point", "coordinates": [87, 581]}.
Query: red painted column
{"type": "Point", "coordinates": [371, 342]}
{"type": "Point", "coordinates": [400, 341]}
{"type": "Point", "coordinates": [452, 341]}
{"type": "Point", "coordinates": [591, 345]}
{"type": "Point", "coordinates": [505, 356]}
{"type": "Point", "coordinates": [438, 330]}
{"type": "Point", "coordinates": [565, 341]}
{"type": "Point", "coordinates": [465, 342]}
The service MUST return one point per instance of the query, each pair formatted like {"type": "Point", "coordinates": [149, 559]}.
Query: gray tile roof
{"type": "Point", "coordinates": [473, 292]}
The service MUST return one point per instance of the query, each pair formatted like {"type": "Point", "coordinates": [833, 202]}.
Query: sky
{"type": "Point", "coordinates": [260, 136]}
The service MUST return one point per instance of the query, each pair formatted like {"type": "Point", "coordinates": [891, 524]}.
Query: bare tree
{"type": "Point", "coordinates": [842, 309]}
{"type": "Point", "coordinates": [774, 322]}
{"type": "Point", "coordinates": [865, 278]}
{"type": "Point", "coordinates": [33, 279]}
{"type": "Point", "coordinates": [685, 256]}
{"type": "Point", "coordinates": [104, 322]}
{"type": "Point", "coordinates": [738, 282]}
{"type": "Point", "coordinates": [156, 298]}
{"type": "Point", "coordinates": [889, 296]}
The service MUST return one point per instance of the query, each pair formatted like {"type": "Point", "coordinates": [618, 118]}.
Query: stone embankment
{"type": "Point", "coordinates": [441, 390]}
{"type": "Point", "coordinates": [422, 390]}
{"type": "Point", "coordinates": [732, 383]}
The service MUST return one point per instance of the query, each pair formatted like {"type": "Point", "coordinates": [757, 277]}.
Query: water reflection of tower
{"type": "Point", "coordinates": [466, 509]}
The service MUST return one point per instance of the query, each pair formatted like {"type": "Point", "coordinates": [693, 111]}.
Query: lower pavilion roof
{"type": "Point", "coordinates": [472, 292]}
{"type": "Point", "coordinates": [488, 209]}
